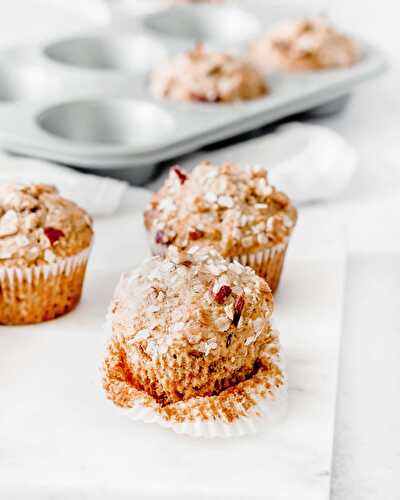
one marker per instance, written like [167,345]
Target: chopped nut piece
[196,234]
[53,234]
[220,293]
[180,174]
[238,309]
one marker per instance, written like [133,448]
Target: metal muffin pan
[85,100]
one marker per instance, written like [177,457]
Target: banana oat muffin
[44,247]
[232,209]
[206,76]
[192,338]
[304,44]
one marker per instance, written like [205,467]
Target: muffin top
[301,44]
[193,303]
[207,76]
[230,208]
[37,225]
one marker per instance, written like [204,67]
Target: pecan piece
[221,294]
[180,174]
[53,234]
[237,310]
[196,234]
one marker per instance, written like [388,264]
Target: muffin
[192,339]
[206,76]
[232,209]
[304,44]
[44,247]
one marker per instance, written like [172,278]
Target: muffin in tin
[304,44]
[44,248]
[208,76]
[192,338]
[232,209]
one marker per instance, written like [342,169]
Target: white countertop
[366,458]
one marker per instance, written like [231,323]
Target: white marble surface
[366,460]
[60,439]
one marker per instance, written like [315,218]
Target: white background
[366,463]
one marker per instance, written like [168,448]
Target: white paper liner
[268,410]
[29,294]
[251,259]
[29,274]
[256,259]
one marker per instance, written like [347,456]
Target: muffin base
[40,293]
[267,263]
[239,410]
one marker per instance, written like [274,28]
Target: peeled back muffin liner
[244,409]
[267,263]
[39,293]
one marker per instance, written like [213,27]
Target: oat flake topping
[37,225]
[190,325]
[230,208]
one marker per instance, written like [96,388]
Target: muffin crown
[311,40]
[192,303]
[37,225]
[234,209]
[209,76]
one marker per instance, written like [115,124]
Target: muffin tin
[85,100]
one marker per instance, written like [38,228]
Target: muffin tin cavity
[108,52]
[85,99]
[23,83]
[220,25]
[107,122]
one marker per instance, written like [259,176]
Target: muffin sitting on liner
[207,76]
[232,209]
[44,248]
[192,341]
[304,44]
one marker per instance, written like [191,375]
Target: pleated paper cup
[247,408]
[40,293]
[267,263]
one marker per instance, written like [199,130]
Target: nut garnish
[53,234]
[196,234]
[219,292]
[238,309]
[180,174]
